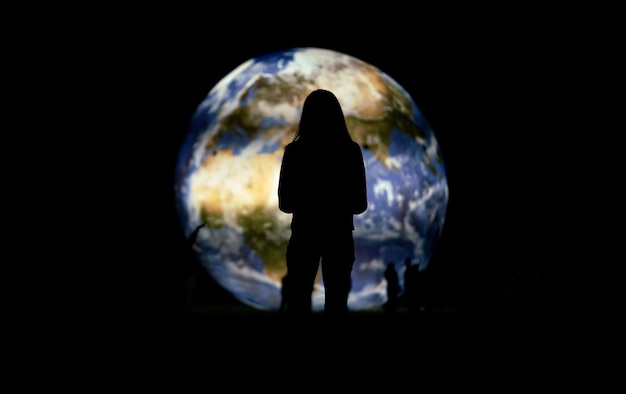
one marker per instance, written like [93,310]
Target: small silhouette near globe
[229,163]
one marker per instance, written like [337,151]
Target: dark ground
[226,342]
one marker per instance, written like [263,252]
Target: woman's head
[322,118]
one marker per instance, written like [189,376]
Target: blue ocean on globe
[228,167]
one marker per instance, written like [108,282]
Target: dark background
[121,88]
[100,97]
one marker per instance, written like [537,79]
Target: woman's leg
[337,262]
[302,265]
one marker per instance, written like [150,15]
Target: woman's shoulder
[355,146]
[291,145]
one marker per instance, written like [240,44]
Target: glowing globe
[228,167]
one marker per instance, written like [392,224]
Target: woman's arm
[359,201]
[286,183]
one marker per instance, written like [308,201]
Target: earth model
[228,168]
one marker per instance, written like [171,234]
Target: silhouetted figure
[530,291]
[193,265]
[191,240]
[421,301]
[322,184]
[393,288]
[410,291]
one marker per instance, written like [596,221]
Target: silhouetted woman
[322,184]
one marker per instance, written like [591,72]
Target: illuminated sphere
[228,168]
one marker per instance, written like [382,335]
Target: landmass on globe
[228,168]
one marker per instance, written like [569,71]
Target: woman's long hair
[322,174]
[322,120]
